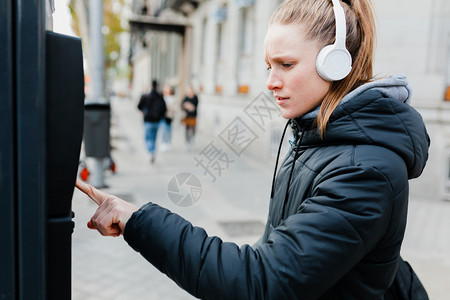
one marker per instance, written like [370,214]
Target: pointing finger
[98,196]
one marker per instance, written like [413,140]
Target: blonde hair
[318,20]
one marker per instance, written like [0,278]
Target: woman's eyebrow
[280,57]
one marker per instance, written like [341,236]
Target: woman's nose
[273,82]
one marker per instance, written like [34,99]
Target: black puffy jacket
[337,231]
[153,106]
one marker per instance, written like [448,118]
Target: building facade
[220,52]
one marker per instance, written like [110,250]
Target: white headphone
[334,62]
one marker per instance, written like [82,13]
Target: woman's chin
[288,114]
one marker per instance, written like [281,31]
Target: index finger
[98,196]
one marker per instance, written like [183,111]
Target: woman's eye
[287,65]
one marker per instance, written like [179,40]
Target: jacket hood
[376,113]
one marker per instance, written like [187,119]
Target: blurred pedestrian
[189,107]
[166,122]
[153,108]
[339,201]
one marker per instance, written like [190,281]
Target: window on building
[175,54]
[219,17]
[448,168]
[219,65]
[219,50]
[246,41]
[203,42]
[447,176]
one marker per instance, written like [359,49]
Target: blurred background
[216,46]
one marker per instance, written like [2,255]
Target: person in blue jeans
[153,108]
[166,122]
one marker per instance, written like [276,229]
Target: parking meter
[64,131]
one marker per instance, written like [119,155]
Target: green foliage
[75,20]
[112,21]
[114,26]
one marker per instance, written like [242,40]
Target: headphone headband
[341,26]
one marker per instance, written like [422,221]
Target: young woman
[166,122]
[339,202]
[189,107]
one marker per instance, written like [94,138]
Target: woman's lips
[281,100]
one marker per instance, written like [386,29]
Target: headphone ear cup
[333,63]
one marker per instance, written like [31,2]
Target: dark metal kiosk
[41,127]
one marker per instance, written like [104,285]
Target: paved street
[234,207]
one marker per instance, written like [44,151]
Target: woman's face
[293,78]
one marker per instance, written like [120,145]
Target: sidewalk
[233,207]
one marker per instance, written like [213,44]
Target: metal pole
[29,159]
[447,94]
[97,62]
[8,167]
[96,23]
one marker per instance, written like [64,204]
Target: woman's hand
[113,213]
